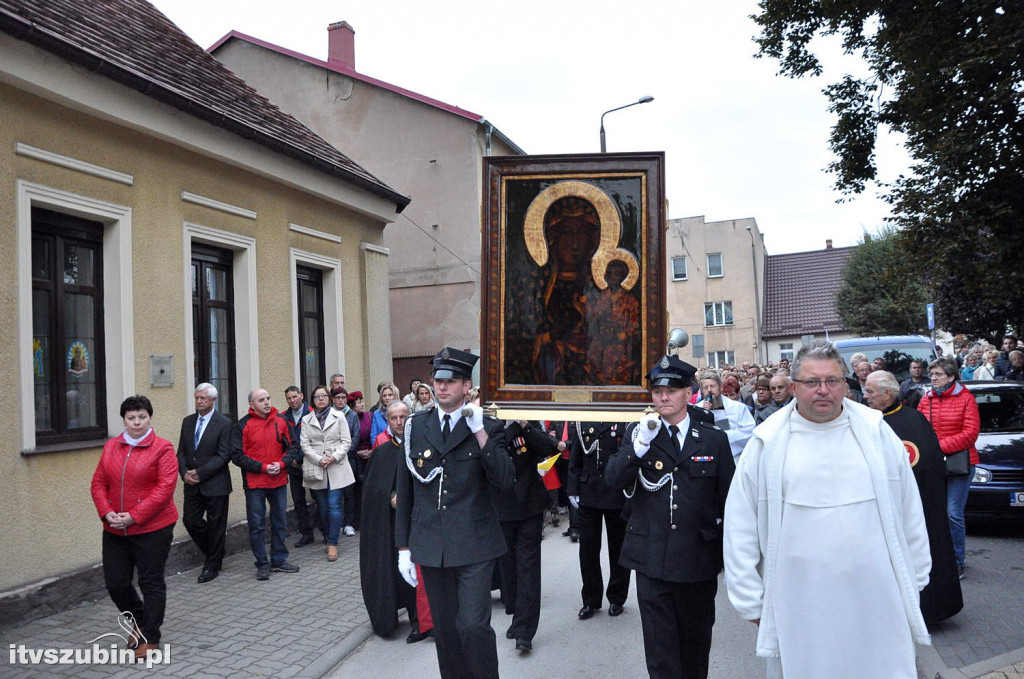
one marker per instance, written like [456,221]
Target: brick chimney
[828,243]
[341,45]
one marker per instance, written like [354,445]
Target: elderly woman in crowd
[953,414]
[424,398]
[987,371]
[133,490]
[325,440]
[379,425]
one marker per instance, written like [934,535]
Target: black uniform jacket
[586,469]
[675,532]
[527,446]
[210,459]
[451,521]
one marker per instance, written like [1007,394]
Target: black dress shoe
[615,609]
[305,540]
[509,634]
[418,636]
[206,576]
[524,645]
[588,612]
[574,536]
[567,532]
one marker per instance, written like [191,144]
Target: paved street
[304,625]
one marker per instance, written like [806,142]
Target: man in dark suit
[297,409]
[445,519]
[677,471]
[204,448]
[521,513]
[593,443]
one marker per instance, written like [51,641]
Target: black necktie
[446,429]
[674,431]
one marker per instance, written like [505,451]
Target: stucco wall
[694,238]
[430,154]
[49,523]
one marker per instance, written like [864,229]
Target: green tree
[881,293]
[949,75]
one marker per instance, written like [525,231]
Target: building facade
[715,288]
[432,150]
[166,225]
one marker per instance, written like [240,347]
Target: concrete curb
[931,666]
[328,662]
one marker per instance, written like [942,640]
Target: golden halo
[610,225]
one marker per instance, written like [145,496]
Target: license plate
[1017,499]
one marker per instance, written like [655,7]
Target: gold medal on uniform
[419,463]
[522,450]
[426,454]
[659,464]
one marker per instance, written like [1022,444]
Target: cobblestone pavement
[294,625]
[989,632]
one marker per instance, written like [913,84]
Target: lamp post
[642,100]
[757,298]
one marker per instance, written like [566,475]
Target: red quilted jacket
[954,417]
[139,480]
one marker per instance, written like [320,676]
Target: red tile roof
[352,73]
[131,42]
[800,292]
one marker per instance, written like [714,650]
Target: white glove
[574,500]
[475,418]
[406,567]
[646,433]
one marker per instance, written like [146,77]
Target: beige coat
[333,439]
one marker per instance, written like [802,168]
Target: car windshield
[1001,411]
[897,357]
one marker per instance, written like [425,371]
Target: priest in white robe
[826,548]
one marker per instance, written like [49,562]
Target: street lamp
[757,298]
[642,100]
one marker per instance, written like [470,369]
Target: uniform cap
[453,364]
[671,372]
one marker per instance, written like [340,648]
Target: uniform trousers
[677,618]
[520,574]
[206,520]
[590,556]
[460,603]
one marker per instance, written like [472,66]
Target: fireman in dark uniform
[593,444]
[521,513]
[445,519]
[678,473]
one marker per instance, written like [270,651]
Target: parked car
[896,350]
[997,489]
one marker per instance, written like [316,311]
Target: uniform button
[673,506]
[673,526]
[675,469]
[675,487]
[445,492]
[446,507]
[444,478]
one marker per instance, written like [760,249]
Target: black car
[997,489]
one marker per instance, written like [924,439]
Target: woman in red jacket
[953,413]
[133,489]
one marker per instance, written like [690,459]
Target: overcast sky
[740,141]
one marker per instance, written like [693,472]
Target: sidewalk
[295,625]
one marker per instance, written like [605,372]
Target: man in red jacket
[262,447]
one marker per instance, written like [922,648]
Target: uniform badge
[703,458]
[694,433]
[522,450]
[419,463]
[444,354]
[664,362]
[659,465]
[914,452]
[426,454]
[590,431]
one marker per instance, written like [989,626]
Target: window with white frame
[697,343]
[715,269]
[679,268]
[717,359]
[786,351]
[717,313]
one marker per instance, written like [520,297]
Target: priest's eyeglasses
[830,382]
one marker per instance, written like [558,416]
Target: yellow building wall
[47,519]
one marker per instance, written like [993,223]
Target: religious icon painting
[574,292]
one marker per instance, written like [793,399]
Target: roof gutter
[22,29]
[491,130]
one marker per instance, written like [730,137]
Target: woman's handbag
[959,463]
[312,472]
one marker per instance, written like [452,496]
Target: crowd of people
[689,490]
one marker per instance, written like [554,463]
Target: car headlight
[981,475]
